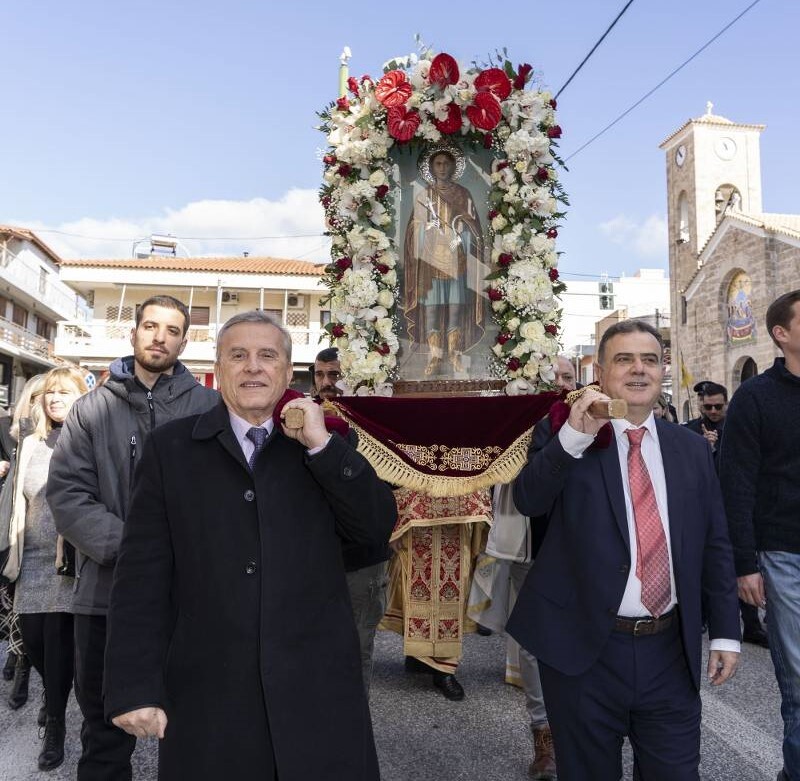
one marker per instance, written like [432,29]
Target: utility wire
[602,38]
[185,238]
[663,81]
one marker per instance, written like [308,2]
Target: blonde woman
[43,596]
[22,425]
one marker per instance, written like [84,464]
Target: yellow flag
[687,381]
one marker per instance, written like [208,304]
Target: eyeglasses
[709,407]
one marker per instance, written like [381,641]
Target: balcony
[20,341]
[101,342]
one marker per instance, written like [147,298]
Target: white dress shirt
[575,443]
[240,428]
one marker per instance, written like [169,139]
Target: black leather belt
[646,626]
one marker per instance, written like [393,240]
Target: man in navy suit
[611,608]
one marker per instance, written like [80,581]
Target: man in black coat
[232,555]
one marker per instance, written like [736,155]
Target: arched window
[749,369]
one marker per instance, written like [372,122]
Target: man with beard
[713,403]
[89,489]
[365,566]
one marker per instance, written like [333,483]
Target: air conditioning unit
[230,297]
[295,301]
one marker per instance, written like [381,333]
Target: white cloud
[238,223]
[646,240]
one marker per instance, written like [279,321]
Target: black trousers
[640,687]
[107,749]
[47,639]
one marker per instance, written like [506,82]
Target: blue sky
[198,117]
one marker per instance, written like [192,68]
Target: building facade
[214,289]
[728,258]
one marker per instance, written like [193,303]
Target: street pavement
[423,737]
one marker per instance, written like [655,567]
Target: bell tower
[713,167]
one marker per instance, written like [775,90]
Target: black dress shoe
[448,685]
[8,667]
[19,691]
[53,744]
[756,637]
[414,665]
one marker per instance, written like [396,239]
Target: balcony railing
[20,337]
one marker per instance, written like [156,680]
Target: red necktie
[652,557]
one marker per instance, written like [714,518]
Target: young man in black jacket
[759,465]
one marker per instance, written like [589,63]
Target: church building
[728,259]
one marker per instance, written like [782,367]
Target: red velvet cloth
[490,424]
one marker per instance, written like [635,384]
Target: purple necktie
[258,436]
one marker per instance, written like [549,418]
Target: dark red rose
[352,85]
[488,139]
[366,78]
[513,364]
[494,294]
[343,104]
[382,268]
[493,213]
[393,89]
[402,124]
[542,174]
[505,259]
[495,81]
[444,71]
[344,170]
[344,263]
[522,76]
[329,159]
[383,349]
[452,123]
[502,164]
[325,201]
[553,274]
[553,104]
[381,190]
[338,330]
[552,329]
[554,132]
[552,233]
[485,111]
[503,337]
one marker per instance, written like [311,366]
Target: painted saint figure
[443,255]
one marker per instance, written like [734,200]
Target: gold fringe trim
[391,467]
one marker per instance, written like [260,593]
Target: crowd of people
[210,566]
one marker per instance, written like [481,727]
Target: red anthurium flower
[494,80]
[343,104]
[494,294]
[553,274]
[402,123]
[505,259]
[366,78]
[503,337]
[338,330]
[329,159]
[344,263]
[383,349]
[554,132]
[522,76]
[352,85]
[381,190]
[452,124]
[444,70]
[393,89]
[552,233]
[485,111]
[552,329]
[513,364]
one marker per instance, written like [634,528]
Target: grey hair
[258,316]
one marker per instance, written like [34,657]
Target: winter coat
[91,472]
[230,607]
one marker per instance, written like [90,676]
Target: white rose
[386,298]
[499,222]
[377,178]
[512,324]
[390,277]
[384,326]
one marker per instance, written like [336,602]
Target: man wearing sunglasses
[713,406]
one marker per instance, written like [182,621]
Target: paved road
[423,737]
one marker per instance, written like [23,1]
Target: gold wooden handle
[608,408]
[293,418]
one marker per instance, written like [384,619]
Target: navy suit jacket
[565,612]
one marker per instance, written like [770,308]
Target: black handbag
[67,567]
[6,506]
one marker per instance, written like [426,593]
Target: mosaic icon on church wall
[741,325]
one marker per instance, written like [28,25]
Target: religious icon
[741,323]
[444,264]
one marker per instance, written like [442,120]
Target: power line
[184,238]
[663,81]
[602,38]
